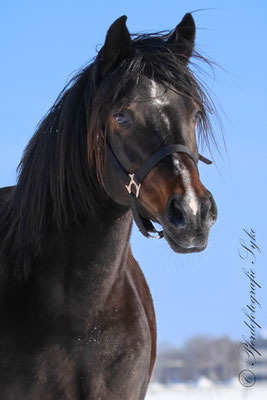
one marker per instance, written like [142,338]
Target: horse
[119,143]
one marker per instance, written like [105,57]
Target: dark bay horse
[77,318]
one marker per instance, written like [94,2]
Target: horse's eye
[120,118]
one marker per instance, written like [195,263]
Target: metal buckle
[132,182]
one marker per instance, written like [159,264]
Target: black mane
[56,187]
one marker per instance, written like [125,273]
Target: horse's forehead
[158,102]
[149,100]
[154,92]
[151,93]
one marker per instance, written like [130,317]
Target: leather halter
[133,181]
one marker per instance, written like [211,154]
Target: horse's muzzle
[186,226]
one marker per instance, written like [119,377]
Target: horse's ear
[184,36]
[117,47]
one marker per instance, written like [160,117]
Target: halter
[133,181]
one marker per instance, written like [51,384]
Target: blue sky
[43,43]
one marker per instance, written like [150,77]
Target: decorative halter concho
[133,181]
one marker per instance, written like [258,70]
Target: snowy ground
[207,391]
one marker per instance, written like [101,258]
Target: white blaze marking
[159,99]
[190,195]
[157,95]
[153,91]
[165,119]
[176,164]
[189,190]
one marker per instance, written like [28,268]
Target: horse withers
[77,318]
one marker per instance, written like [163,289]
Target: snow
[206,390]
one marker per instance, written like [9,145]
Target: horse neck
[85,264]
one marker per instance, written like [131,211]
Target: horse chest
[95,367]
[114,369]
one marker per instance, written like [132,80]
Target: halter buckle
[132,182]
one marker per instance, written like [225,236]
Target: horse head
[149,129]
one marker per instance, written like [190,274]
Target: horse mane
[59,181]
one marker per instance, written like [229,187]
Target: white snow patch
[183,391]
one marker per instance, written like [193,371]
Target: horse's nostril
[213,208]
[208,208]
[205,207]
[176,216]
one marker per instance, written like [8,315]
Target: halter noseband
[134,180]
